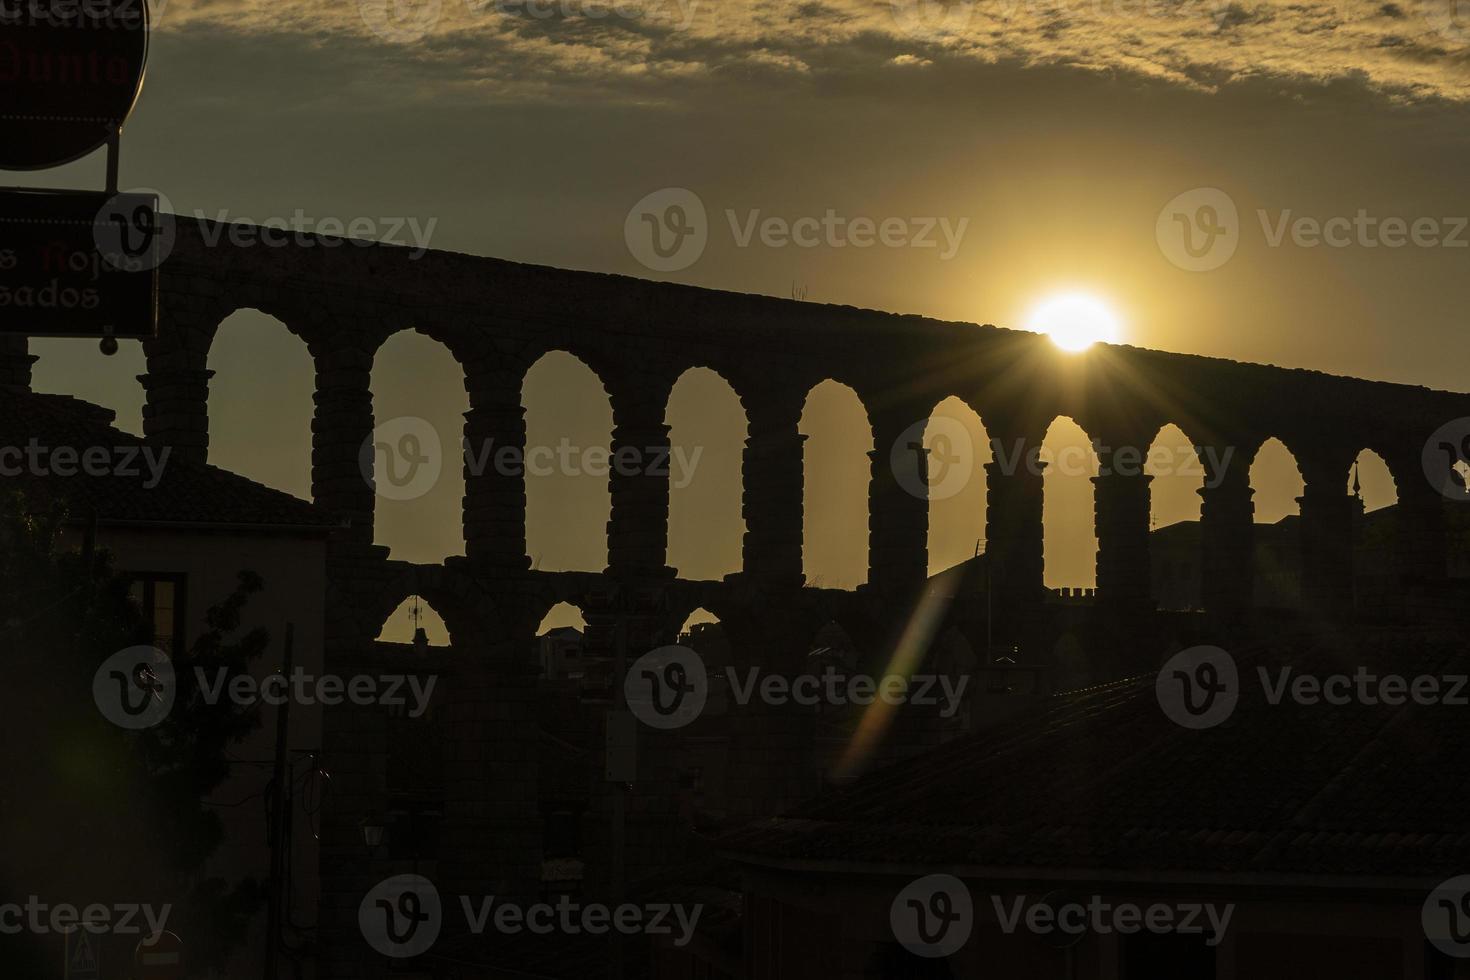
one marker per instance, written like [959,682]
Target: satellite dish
[71,74]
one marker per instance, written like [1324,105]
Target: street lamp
[373,830]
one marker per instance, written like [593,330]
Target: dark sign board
[79,264]
[71,71]
[82,960]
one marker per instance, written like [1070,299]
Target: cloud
[641,49]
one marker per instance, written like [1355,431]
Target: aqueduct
[498,318]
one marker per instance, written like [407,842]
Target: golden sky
[1058,134]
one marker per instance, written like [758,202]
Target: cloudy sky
[1067,145]
[633,49]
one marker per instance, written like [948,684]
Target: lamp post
[280,818]
[374,831]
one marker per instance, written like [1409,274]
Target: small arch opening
[959,450]
[265,439]
[418,466]
[1175,535]
[703,633]
[561,643]
[569,422]
[707,430]
[1069,543]
[836,470]
[1376,563]
[1278,483]
[413,614]
[1371,482]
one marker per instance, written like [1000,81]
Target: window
[161,597]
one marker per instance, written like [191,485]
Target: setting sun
[1074,321]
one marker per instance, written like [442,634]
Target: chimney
[15,362]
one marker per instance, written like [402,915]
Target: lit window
[161,600]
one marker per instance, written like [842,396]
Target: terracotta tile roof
[711,884]
[182,492]
[1101,779]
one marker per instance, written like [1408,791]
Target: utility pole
[620,789]
[281,781]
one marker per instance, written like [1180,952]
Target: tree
[93,814]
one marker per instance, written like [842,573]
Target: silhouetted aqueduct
[498,318]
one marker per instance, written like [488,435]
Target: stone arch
[1376,523]
[836,469]
[1069,541]
[467,613]
[569,426]
[1278,482]
[412,613]
[555,603]
[562,614]
[176,382]
[1372,475]
[698,616]
[186,336]
[561,642]
[1172,458]
[959,449]
[1176,539]
[417,459]
[429,324]
[704,632]
[708,429]
[1277,478]
[269,439]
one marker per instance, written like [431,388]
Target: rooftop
[47,439]
[1100,780]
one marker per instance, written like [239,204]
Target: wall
[294,573]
